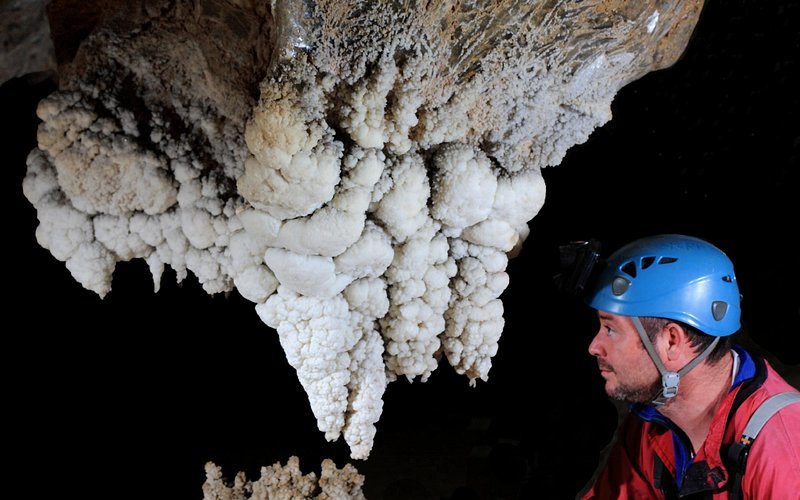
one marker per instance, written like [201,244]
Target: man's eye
[609,331]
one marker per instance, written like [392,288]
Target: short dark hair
[697,339]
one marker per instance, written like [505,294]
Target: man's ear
[675,341]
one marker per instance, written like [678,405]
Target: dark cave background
[131,395]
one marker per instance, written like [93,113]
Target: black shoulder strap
[737,453]
[749,386]
[663,480]
[746,390]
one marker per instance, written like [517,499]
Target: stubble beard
[636,393]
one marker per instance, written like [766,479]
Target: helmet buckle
[669,384]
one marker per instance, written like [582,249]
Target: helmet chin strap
[669,380]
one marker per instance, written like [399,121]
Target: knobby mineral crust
[360,170]
[286,481]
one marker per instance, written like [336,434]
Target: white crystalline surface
[366,205]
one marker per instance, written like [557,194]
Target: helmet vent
[629,268]
[647,262]
[727,279]
[667,260]
[718,309]
[619,285]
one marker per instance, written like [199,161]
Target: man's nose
[596,345]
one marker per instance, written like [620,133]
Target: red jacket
[643,461]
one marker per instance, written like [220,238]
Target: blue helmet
[671,276]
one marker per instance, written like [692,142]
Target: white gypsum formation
[368,198]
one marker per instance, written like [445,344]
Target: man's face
[629,372]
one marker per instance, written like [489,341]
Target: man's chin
[637,396]
[616,396]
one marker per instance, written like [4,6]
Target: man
[667,305]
